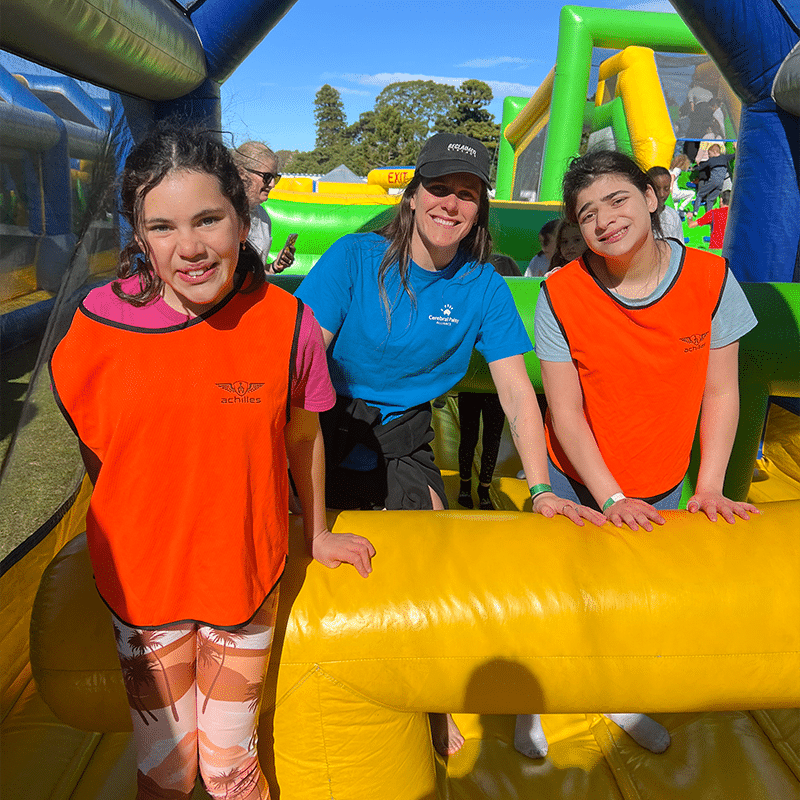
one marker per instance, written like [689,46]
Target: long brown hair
[174,147]
[476,245]
[558,259]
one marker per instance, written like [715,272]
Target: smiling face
[192,236]
[445,209]
[255,188]
[614,217]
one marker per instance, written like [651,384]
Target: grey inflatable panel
[786,86]
[146,48]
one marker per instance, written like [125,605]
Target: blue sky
[360,46]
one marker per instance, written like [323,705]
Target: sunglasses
[267,177]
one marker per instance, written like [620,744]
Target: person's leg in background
[493,420]
[469,413]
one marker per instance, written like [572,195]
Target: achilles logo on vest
[240,390]
[696,340]
[445,317]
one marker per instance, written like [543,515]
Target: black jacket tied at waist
[406,468]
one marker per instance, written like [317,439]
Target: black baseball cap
[445,153]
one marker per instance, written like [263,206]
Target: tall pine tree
[330,119]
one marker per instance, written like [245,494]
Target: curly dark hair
[584,170]
[174,146]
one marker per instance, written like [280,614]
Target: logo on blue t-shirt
[446,317]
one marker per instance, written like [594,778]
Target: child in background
[637,341]
[569,244]
[717,218]
[681,198]
[540,263]
[711,135]
[671,225]
[711,177]
[188,382]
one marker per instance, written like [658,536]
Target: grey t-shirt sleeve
[550,344]
[733,317]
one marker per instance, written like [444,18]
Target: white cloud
[481,63]
[663,6]
[383,79]
[502,89]
[348,90]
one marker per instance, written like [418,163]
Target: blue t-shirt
[426,349]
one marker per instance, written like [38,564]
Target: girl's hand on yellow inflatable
[713,503]
[633,513]
[548,505]
[333,549]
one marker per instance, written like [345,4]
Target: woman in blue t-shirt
[401,311]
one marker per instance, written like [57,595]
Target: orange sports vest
[642,370]
[188,519]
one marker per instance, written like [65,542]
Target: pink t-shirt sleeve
[156,314]
[311,388]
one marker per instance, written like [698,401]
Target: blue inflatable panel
[749,40]
[231,29]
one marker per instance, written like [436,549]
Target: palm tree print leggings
[194,693]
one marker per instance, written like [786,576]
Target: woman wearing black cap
[401,311]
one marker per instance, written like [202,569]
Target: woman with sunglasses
[258,168]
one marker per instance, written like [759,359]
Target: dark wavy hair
[173,146]
[476,245]
[585,170]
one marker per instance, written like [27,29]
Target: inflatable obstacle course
[483,633]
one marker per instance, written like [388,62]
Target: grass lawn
[45,466]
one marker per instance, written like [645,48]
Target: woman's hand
[284,260]
[713,503]
[548,505]
[333,549]
[633,513]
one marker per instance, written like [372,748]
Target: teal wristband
[540,488]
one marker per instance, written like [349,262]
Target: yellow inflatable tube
[638,84]
[488,613]
[391,177]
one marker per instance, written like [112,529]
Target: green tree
[386,137]
[330,118]
[421,103]
[469,115]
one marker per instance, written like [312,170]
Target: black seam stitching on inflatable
[22,549]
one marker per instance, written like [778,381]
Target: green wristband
[615,498]
[540,488]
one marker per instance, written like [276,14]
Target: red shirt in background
[717,218]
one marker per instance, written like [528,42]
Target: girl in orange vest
[635,337]
[189,381]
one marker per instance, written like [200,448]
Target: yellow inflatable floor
[713,756]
